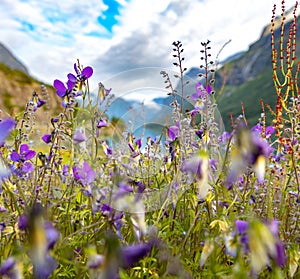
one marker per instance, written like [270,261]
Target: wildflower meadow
[90,199]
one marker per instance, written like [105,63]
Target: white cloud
[66,30]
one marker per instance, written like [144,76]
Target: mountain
[249,78]
[7,58]
[17,86]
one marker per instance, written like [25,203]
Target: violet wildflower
[101,123]
[36,102]
[64,92]
[47,138]
[81,76]
[251,150]
[102,92]
[42,238]
[21,159]
[173,132]
[85,175]
[269,131]
[11,268]
[106,149]
[23,222]
[79,137]
[6,126]
[200,97]
[131,254]
[262,245]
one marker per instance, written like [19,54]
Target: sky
[115,36]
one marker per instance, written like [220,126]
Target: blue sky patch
[26,26]
[108,18]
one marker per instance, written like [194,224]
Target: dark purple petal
[101,123]
[87,72]
[44,267]
[27,167]
[193,166]
[79,137]
[76,69]
[23,222]
[65,170]
[257,128]
[280,254]
[52,234]
[195,96]
[29,155]
[173,132]
[71,78]
[70,85]
[15,157]
[23,149]
[7,266]
[2,226]
[241,226]
[40,102]
[208,89]
[77,172]
[60,87]
[47,138]
[6,125]
[89,173]
[139,143]
[130,255]
[269,131]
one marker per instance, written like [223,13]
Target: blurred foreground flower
[43,236]
[107,266]
[197,166]
[6,126]
[11,268]
[250,150]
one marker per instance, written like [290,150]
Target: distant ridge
[7,58]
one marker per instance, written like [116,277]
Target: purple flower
[269,131]
[52,234]
[61,89]
[130,255]
[251,150]
[8,268]
[241,226]
[23,222]
[102,92]
[25,155]
[86,73]
[197,166]
[6,125]
[201,91]
[44,267]
[42,238]
[36,102]
[81,76]
[84,175]
[173,132]
[101,123]
[79,137]
[47,138]
[224,137]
